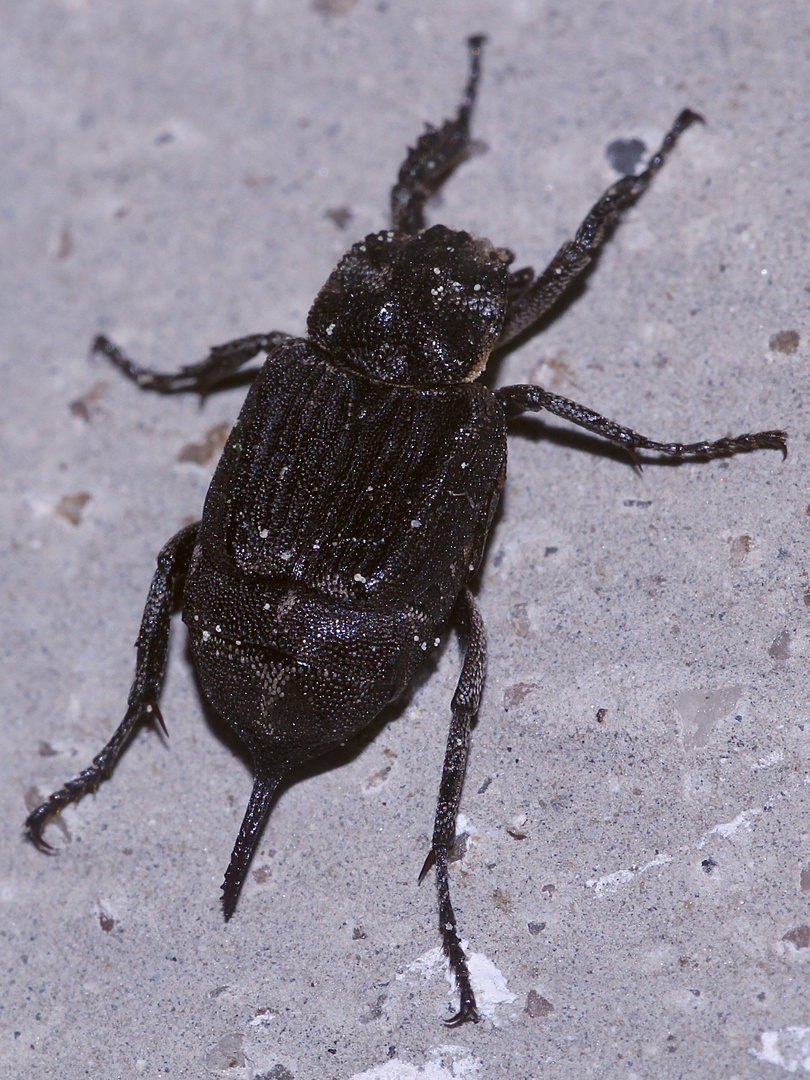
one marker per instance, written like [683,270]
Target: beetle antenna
[264,788]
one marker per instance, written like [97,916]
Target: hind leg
[464,708]
[153,648]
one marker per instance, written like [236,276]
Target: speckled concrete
[636,887]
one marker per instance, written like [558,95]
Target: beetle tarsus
[85,783]
[468,1010]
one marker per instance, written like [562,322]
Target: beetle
[349,512]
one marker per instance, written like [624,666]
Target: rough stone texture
[177,175]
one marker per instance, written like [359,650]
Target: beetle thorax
[420,310]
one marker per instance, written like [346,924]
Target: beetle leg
[222,362]
[264,788]
[465,705]
[436,154]
[518,399]
[153,647]
[575,255]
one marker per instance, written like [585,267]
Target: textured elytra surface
[623,579]
[425,466]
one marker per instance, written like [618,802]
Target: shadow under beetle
[351,506]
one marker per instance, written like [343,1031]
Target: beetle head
[420,310]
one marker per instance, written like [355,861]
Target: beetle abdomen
[293,671]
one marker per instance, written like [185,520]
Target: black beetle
[353,500]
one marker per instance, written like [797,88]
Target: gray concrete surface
[166,176]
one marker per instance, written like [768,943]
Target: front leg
[153,648]
[464,707]
[532,301]
[519,399]
[435,156]
[201,378]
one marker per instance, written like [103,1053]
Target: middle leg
[526,398]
